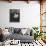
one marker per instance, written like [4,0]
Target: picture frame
[14,15]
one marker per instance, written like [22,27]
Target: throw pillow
[17,30]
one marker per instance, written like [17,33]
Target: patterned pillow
[17,30]
[11,30]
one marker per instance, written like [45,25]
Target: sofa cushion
[22,38]
[17,30]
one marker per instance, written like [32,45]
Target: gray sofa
[17,35]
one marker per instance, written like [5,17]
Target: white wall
[29,14]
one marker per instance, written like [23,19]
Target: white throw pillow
[23,31]
[5,32]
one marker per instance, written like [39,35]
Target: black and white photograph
[14,15]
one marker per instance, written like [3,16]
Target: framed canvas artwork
[14,15]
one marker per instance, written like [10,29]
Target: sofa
[22,34]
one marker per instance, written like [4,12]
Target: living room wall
[29,14]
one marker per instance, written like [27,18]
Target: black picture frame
[14,15]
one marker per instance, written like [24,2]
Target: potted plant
[37,33]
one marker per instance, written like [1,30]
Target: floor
[35,43]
